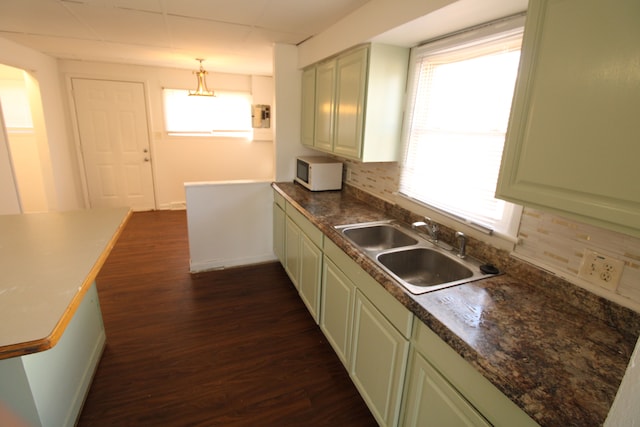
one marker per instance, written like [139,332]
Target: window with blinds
[461,90]
[226,114]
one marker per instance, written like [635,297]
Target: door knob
[146,150]
[146,159]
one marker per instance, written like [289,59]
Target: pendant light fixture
[202,82]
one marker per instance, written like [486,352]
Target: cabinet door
[308,106]
[431,401]
[310,275]
[292,251]
[324,107]
[336,319]
[351,76]
[278,232]
[378,361]
[572,144]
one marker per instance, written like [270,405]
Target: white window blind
[460,99]
[226,114]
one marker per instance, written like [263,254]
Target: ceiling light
[202,82]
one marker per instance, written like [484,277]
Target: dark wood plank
[233,347]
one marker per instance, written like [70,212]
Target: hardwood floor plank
[233,347]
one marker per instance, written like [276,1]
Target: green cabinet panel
[378,361]
[303,257]
[308,107]
[396,313]
[572,143]
[305,225]
[490,402]
[310,275]
[293,237]
[324,105]
[279,200]
[351,77]
[336,319]
[278,232]
[431,401]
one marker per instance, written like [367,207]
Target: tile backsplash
[379,179]
[549,241]
[559,244]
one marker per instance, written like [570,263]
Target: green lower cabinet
[336,318]
[378,361]
[372,334]
[292,251]
[303,257]
[310,275]
[443,389]
[431,401]
[278,232]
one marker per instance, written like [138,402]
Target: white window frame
[204,106]
[507,232]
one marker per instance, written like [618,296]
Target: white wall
[55,145]
[372,19]
[26,161]
[229,223]
[9,201]
[177,160]
[288,93]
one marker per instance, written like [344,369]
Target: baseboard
[219,264]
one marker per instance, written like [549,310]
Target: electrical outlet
[601,270]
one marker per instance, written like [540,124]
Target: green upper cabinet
[324,105]
[351,78]
[308,106]
[573,142]
[359,100]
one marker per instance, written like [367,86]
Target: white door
[114,137]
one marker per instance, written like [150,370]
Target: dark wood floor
[235,347]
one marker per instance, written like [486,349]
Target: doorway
[25,146]
[114,141]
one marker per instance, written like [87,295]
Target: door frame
[76,130]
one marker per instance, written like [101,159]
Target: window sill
[495,239]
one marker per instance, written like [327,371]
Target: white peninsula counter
[51,330]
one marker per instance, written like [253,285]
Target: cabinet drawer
[391,308]
[314,234]
[483,395]
[279,199]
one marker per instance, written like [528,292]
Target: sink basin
[379,237]
[413,261]
[423,267]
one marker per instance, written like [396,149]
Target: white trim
[497,240]
[502,32]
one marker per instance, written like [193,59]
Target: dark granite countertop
[560,355]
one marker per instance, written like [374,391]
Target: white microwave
[318,173]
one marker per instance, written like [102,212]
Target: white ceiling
[232,35]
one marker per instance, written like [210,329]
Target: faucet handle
[462,238]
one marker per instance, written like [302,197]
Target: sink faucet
[432,228]
[462,239]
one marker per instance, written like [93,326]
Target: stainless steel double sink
[416,263]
